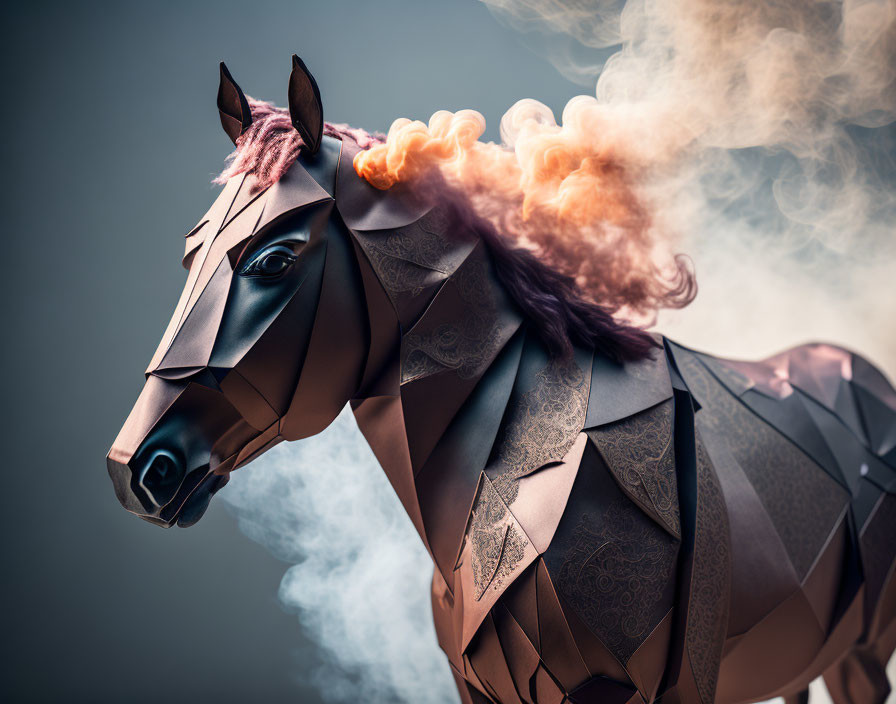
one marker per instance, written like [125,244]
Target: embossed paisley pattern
[711,580]
[541,426]
[413,257]
[800,498]
[465,346]
[497,546]
[400,276]
[615,573]
[640,453]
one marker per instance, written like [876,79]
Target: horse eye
[269,262]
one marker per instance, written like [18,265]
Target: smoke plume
[772,131]
[574,193]
[759,118]
[360,584]
[757,136]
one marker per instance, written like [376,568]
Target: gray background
[111,138]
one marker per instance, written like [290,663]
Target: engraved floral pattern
[615,573]
[465,346]
[542,426]
[412,257]
[640,453]
[497,545]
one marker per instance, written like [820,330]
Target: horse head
[270,337]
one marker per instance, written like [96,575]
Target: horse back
[803,447]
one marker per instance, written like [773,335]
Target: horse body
[605,531]
[680,528]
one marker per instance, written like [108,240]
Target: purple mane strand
[271,144]
[553,301]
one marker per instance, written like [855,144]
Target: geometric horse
[612,517]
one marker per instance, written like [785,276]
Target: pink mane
[271,144]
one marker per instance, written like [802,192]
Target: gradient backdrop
[111,138]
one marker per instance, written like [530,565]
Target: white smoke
[361,582]
[773,128]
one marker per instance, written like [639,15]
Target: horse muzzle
[175,450]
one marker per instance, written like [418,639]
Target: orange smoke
[571,192]
[711,121]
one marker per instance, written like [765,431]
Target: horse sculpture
[612,517]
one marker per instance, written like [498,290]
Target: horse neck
[440,323]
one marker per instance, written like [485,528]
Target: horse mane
[553,301]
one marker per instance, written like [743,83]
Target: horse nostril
[161,477]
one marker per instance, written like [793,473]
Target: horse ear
[305,109]
[233,107]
